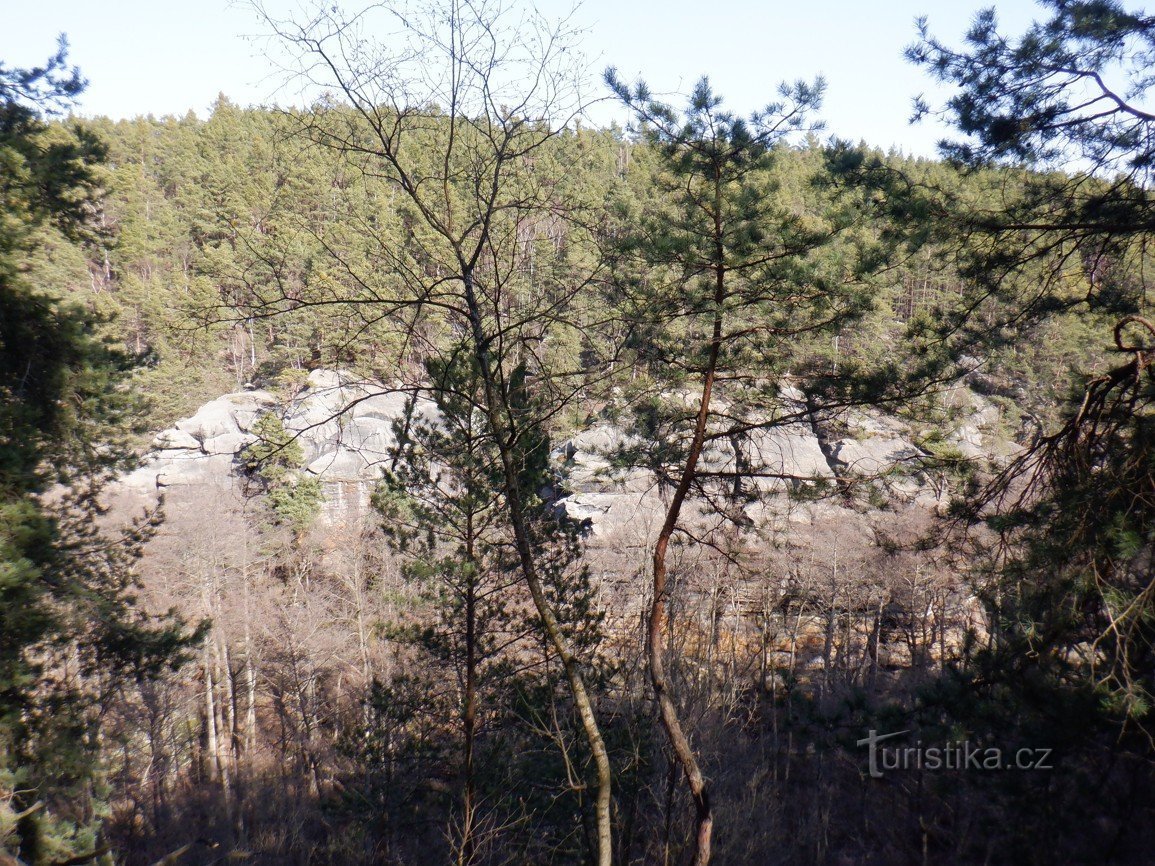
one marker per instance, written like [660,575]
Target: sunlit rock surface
[347,427]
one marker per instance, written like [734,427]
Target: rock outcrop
[346,427]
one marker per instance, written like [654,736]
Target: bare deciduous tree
[449,106]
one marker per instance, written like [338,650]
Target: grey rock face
[176,440]
[346,428]
[200,449]
[874,455]
[792,451]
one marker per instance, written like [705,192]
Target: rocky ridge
[345,427]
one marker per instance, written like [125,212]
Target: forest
[429,474]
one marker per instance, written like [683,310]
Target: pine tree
[1074,219]
[443,506]
[275,461]
[69,627]
[730,274]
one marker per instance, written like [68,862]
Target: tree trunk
[469,712]
[668,713]
[524,546]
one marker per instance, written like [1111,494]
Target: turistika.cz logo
[962,755]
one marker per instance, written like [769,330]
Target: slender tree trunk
[229,707]
[308,707]
[668,829]
[212,750]
[873,642]
[250,733]
[220,727]
[469,712]
[524,546]
[828,643]
[668,713]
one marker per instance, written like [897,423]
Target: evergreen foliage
[276,460]
[70,632]
[442,506]
[529,275]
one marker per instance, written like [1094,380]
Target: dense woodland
[463,676]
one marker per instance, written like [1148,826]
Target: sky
[171,56]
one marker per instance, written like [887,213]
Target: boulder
[326,380]
[220,417]
[587,463]
[228,443]
[873,456]
[614,514]
[173,440]
[209,470]
[343,464]
[793,449]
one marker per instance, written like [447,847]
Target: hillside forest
[428,474]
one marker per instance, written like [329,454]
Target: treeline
[237,211]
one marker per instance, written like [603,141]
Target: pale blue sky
[170,56]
